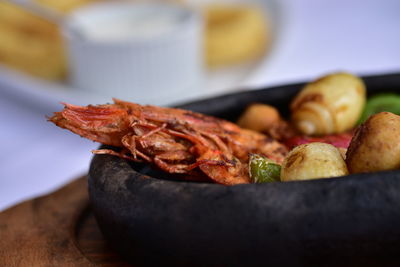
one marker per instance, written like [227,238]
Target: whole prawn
[175,140]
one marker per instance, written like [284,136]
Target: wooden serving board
[58,229]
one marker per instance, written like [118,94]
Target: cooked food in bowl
[202,148]
[174,140]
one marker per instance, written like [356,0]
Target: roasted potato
[375,145]
[312,161]
[259,117]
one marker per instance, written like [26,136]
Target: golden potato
[329,105]
[375,145]
[259,117]
[312,161]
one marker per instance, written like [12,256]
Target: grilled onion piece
[331,104]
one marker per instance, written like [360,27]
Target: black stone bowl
[348,221]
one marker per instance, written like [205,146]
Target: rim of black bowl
[222,108]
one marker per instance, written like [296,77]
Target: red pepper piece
[338,140]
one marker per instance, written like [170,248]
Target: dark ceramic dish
[330,222]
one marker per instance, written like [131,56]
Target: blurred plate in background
[48,94]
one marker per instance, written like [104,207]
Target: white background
[361,36]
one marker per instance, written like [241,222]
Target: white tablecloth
[361,36]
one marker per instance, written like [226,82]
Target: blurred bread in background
[31,44]
[34,45]
[234,34]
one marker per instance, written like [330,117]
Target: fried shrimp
[175,140]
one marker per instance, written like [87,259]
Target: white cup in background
[141,52]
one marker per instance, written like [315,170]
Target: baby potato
[312,161]
[375,145]
[259,117]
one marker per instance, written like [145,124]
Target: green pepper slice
[382,102]
[263,170]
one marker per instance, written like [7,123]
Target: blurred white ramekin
[161,58]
